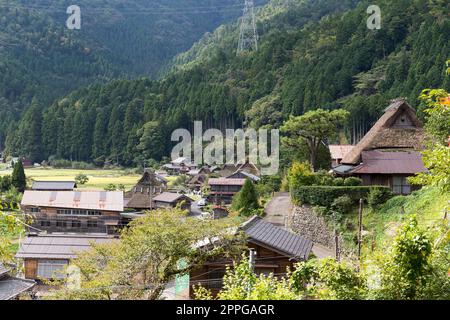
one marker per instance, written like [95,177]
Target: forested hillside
[41,59]
[300,65]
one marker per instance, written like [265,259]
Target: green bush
[378,196]
[325,195]
[338,182]
[342,204]
[352,182]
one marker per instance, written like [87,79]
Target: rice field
[98,179]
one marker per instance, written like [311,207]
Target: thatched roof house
[150,185]
[388,153]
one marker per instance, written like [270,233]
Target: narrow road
[278,209]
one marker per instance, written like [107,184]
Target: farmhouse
[224,189]
[45,256]
[241,174]
[389,153]
[172,200]
[275,249]
[338,152]
[180,166]
[11,287]
[149,186]
[74,211]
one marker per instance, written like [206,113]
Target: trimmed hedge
[325,195]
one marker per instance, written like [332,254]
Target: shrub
[352,182]
[339,182]
[378,196]
[342,204]
[300,174]
[81,179]
[325,195]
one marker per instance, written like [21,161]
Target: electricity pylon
[248,38]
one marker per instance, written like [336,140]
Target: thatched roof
[398,128]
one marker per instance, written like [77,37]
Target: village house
[45,256]
[241,174]
[11,287]
[54,185]
[142,194]
[180,166]
[390,152]
[172,200]
[275,250]
[222,190]
[74,211]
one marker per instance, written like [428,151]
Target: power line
[248,37]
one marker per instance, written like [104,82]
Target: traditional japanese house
[222,190]
[180,165]
[389,153]
[275,250]
[241,174]
[141,196]
[172,200]
[12,287]
[74,211]
[45,256]
[196,182]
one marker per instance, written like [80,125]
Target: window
[35,210]
[45,223]
[92,224]
[61,224]
[78,212]
[51,269]
[401,185]
[215,280]
[76,224]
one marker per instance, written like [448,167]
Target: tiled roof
[245,174]
[11,287]
[53,185]
[58,246]
[384,162]
[3,270]
[93,200]
[277,238]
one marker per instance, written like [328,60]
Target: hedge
[325,195]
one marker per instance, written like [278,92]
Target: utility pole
[360,216]
[248,37]
[252,259]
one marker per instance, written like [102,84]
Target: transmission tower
[248,38]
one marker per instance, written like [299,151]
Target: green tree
[81,179]
[148,256]
[18,178]
[313,128]
[246,202]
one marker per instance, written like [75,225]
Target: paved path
[278,209]
[321,251]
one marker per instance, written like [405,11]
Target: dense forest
[41,59]
[302,64]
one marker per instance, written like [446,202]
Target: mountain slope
[333,63]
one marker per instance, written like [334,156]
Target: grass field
[98,179]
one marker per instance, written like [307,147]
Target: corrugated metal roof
[94,200]
[226,182]
[11,287]
[53,185]
[275,237]
[58,246]
[386,162]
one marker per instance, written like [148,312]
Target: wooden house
[74,211]
[172,200]
[275,250]
[222,190]
[338,152]
[45,256]
[241,174]
[389,153]
[142,194]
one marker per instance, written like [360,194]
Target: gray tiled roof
[275,237]
[3,270]
[11,287]
[53,185]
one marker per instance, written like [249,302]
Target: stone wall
[307,223]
